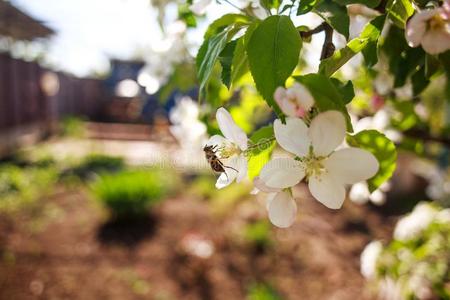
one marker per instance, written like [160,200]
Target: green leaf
[273,53]
[223,22]
[239,64]
[382,148]
[370,33]
[368,3]
[225,59]
[419,81]
[334,14]
[306,6]
[399,12]
[326,95]
[269,4]
[207,57]
[346,90]
[261,153]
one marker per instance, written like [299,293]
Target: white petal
[292,136]
[199,7]
[230,130]
[327,131]
[261,186]
[230,166]
[351,165]
[216,140]
[282,210]
[242,167]
[327,190]
[436,41]
[282,173]
[359,193]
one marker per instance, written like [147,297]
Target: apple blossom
[414,223]
[369,258]
[295,101]
[230,149]
[430,29]
[327,170]
[280,205]
[359,193]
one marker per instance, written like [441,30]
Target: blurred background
[105,192]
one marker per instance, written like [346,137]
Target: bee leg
[230,168]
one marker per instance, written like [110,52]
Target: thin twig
[328,46]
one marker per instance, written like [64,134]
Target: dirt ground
[74,253]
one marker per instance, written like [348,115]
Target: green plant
[96,163]
[73,127]
[21,186]
[262,291]
[258,233]
[131,193]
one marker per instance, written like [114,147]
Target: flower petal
[327,131]
[261,186]
[436,41]
[282,210]
[199,7]
[417,26]
[216,140]
[292,136]
[242,167]
[327,190]
[282,173]
[231,167]
[302,95]
[351,165]
[230,130]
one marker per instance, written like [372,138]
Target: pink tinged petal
[282,210]
[230,130]
[327,132]
[282,173]
[327,190]
[302,95]
[286,106]
[436,41]
[242,167]
[416,28]
[292,136]
[351,165]
[261,186]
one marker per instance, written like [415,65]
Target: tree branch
[328,46]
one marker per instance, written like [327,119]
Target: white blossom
[327,171]
[186,128]
[295,101]
[414,223]
[199,7]
[230,149]
[430,29]
[359,193]
[369,258]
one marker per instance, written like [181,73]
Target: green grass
[94,164]
[21,186]
[132,193]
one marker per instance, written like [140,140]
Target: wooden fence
[26,105]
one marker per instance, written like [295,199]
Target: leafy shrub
[95,164]
[20,186]
[131,193]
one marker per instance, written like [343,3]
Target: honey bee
[214,161]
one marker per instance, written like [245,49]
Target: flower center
[227,150]
[313,165]
[436,22]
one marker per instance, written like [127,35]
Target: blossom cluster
[416,263]
[314,143]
